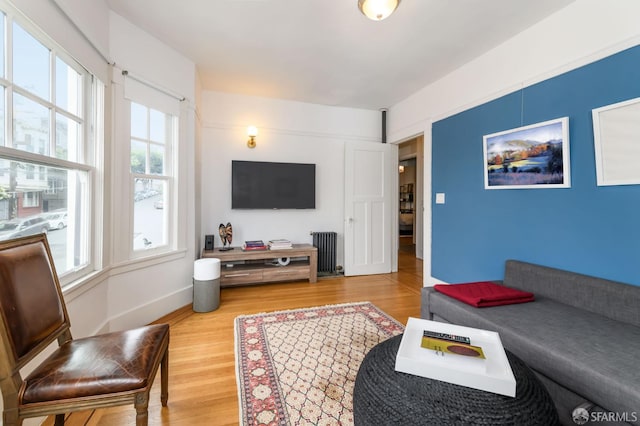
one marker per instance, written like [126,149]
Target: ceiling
[326,51]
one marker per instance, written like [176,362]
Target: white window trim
[31,199]
[123,202]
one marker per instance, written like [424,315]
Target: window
[45,134]
[31,199]
[152,137]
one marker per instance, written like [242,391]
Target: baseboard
[431,281]
[152,310]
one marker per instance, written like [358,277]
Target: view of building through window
[42,204]
[44,179]
[151,137]
[48,104]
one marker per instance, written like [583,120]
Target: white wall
[288,132]
[584,31]
[142,291]
[143,55]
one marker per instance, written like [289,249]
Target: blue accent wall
[586,228]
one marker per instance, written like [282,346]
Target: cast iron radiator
[326,243]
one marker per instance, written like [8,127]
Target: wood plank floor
[202,382]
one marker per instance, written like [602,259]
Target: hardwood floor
[202,381]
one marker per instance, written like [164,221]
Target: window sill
[145,262]
[80,286]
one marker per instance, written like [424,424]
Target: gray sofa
[581,336]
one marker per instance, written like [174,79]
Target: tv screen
[265,185]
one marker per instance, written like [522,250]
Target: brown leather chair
[99,371]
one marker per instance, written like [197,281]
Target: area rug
[299,367]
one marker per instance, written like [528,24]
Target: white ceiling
[326,51]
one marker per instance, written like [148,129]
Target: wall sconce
[252,132]
[401,169]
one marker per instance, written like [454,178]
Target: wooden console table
[240,267]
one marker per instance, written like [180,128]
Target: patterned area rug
[299,367]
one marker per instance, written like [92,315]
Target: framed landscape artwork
[534,156]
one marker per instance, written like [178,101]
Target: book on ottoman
[484,294]
[491,372]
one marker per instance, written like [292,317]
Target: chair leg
[59,420]
[11,418]
[164,378]
[142,409]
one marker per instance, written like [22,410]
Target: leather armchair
[111,369]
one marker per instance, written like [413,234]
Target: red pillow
[484,293]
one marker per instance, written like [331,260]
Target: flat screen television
[266,185]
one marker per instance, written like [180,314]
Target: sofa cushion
[612,299]
[593,355]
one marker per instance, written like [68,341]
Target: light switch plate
[440,198]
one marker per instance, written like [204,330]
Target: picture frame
[529,157]
[616,138]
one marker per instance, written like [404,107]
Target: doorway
[407,205]
[410,197]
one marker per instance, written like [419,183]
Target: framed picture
[616,136]
[534,156]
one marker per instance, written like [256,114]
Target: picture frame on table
[529,157]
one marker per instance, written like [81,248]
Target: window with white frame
[31,199]
[153,134]
[46,100]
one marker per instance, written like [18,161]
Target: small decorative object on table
[226,235]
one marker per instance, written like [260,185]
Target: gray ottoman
[383,396]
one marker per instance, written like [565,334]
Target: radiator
[326,242]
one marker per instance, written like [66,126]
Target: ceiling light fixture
[377,10]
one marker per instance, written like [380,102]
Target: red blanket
[485,293]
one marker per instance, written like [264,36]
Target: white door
[369,240]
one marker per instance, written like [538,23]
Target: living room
[123,292]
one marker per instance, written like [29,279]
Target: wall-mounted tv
[265,185]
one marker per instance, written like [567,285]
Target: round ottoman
[383,396]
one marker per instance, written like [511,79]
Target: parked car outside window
[15,228]
[56,220]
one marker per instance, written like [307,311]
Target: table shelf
[253,267]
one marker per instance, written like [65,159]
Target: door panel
[368,207]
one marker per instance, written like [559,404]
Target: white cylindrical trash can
[206,285]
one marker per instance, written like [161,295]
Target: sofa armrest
[424,303]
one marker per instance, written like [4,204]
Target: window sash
[157,145]
[66,121]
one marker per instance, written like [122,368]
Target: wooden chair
[99,371]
